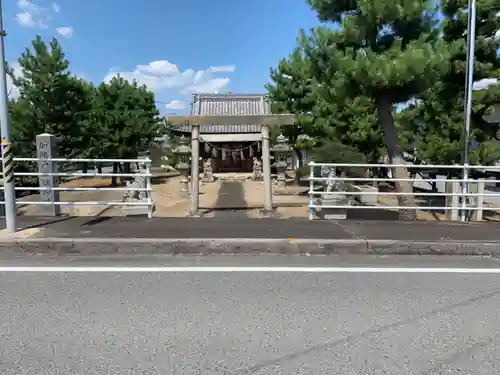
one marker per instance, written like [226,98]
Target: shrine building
[231,147]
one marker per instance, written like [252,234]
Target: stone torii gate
[264,120]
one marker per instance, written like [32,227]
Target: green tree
[23,141]
[388,51]
[353,122]
[126,120]
[332,124]
[434,123]
[54,101]
[292,91]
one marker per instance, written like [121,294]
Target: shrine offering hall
[231,148]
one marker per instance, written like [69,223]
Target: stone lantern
[166,145]
[281,151]
[183,151]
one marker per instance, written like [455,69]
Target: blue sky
[175,47]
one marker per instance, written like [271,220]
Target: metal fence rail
[461,195]
[147,189]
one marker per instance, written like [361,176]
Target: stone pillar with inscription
[46,149]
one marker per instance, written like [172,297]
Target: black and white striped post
[7,154]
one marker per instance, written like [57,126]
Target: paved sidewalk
[231,227]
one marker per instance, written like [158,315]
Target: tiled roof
[228,104]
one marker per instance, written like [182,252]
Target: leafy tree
[126,120]
[434,123]
[54,101]
[388,51]
[23,142]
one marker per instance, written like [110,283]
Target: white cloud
[12,90]
[176,104]
[31,15]
[159,68]
[226,68]
[25,19]
[162,74]
[213,85]
[56,8]
[497,34]
[66,31]
[484,83]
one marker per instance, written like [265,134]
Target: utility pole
[7,154]
[469,81]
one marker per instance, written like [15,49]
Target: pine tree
[387,50]
[54,99]
[435,122]
[292,91]
[339,127]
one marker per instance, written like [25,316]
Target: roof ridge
[232,95]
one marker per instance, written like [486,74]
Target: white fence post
[478,188]
[452,187]
[148,186]
[46,149]
[311,190]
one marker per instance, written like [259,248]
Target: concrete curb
[108,246]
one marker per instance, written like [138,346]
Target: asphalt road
[250,322]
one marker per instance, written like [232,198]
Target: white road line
[254,269]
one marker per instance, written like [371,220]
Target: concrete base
[369,199]
[269,214]
[136,210]
[334,213]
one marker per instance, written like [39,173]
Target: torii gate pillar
[264,120]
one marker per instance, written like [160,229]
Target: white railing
[462,197]
[148,188]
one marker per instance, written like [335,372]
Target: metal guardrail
[461,195]
[148,189]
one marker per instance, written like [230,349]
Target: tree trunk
[375,174]
[114,180]
[298,170]
[125,168]
[395,153]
